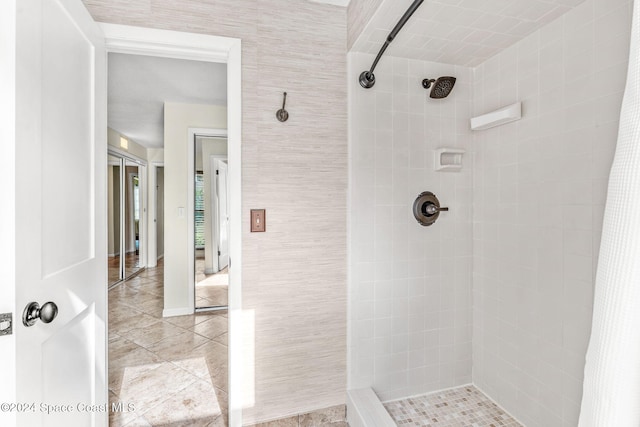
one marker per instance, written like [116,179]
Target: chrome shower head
[441,87]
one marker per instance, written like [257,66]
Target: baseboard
[171,312]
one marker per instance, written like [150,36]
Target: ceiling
[460,32]
[140,85]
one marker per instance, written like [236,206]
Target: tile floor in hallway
[459,407]
[211,289]
[131,265]
[172,370]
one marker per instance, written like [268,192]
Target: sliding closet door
[126,217]
[114,195]
[132,217]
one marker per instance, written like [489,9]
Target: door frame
[152,214]
[191,171]
[199,47]
[215,205]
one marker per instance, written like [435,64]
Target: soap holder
[448,159]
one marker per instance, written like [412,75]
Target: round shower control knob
[426,208]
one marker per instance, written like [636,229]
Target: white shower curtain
[611,391]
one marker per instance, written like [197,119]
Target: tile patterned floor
[460,407]
[211,289]
[335,416]
[131,266]
[173,370]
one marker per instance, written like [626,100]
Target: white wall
[410,286]
[539,193]
[133,148]
[178,118]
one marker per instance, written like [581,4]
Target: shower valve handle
[432,209]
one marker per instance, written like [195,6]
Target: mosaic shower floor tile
[459,407]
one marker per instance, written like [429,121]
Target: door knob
[33,312]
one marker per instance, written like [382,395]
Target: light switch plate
[258,220]
[6,324]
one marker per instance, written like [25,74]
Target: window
[199,211]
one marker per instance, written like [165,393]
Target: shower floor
[459,407]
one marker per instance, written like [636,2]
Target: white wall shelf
[499,117]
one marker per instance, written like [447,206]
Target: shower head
[441,87]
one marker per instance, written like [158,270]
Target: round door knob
[48,312]
[33,312]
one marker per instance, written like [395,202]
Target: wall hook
[282,114]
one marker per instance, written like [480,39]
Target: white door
[61,224]
[223,213]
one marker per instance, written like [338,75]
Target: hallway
[172,370]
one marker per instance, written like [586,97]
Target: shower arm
[367,76]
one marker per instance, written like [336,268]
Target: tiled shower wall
[410,302]
[539,194]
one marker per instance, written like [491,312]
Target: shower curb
[364,409]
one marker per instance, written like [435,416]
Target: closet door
[132,218]
[114,214]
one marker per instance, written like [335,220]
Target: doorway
[184,353]
[210,219]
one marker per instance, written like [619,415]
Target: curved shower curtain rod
[367,79]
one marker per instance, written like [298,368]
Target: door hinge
[218,253]
[217,172]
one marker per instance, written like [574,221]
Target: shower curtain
[611,390]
